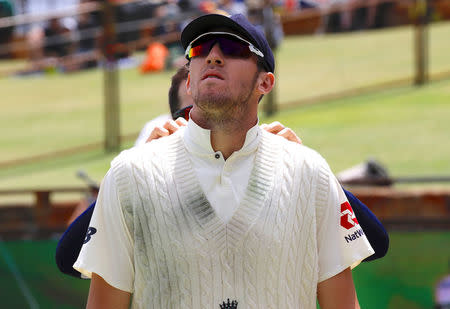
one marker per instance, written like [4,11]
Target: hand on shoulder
[279,129]
[171,126]
[168,128]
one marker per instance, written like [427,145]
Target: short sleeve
[341,240]
[108,249]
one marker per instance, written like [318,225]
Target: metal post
[421,42]
[111,80]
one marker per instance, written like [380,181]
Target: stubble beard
[221,109]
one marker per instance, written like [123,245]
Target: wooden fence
[39,219]
[396,209]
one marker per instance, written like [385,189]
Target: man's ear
[266,82]
[188,84]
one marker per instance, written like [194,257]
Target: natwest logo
[348,219]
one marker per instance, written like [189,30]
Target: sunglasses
[230,44]
[183,113]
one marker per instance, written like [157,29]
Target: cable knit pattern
[186,257]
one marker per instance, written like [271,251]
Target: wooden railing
[41,218]
[407,209]
[396,209]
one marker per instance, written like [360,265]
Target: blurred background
[364,82]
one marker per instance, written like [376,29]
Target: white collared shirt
[223,181]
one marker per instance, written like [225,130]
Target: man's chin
[214,99]
[215,106]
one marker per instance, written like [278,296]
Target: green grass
[37,269]
[311,66]
[404,128]
[51,113]
[405,278]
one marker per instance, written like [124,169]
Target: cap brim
[206,23]
[71,241]
[372,227]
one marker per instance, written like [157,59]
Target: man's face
[221,84]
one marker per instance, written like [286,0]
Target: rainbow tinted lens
[229,47]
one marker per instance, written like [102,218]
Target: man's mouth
[212,75]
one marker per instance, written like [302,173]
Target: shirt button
[217,156]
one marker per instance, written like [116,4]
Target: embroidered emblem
[229,305]
[90,231]
[348,219]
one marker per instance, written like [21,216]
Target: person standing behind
[178,99]
[57,41]
[222,210]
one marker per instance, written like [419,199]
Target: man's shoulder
[291,147]
[295,154]
[158,147]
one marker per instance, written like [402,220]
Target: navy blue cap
[238,24]
[375,232]
[70,243]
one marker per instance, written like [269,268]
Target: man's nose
[215,56]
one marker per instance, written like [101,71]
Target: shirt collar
[198,140]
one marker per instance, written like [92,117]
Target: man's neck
[226,137]
[227,143]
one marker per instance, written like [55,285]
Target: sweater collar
[198,140]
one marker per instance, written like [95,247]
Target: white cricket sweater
[266,256]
